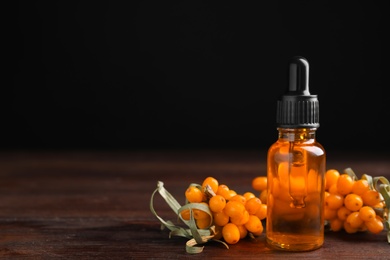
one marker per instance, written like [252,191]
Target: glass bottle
[296,169]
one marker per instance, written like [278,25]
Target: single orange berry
[193,194]
[333,189]
[334,201]
[360,186]
[263,196]
[231,233]
[343,213]
[347,227]
[234,209]
[336,224]
[248,195]
[243,231]
[375,225]
[231,194]
[371,197]
[259,183]
[212,182]
[367,213]
[253,205]
[331,177]
[204,222]
[185,214]
[344,184]
[217,203]
[354,220]
[329,214]
[254,224]
[238,198]
[223,190]
[240,220]
[220,218]
[261,213]
[353,202]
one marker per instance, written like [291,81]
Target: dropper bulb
[299,76]
[297,107]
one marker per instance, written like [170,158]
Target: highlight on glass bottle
[296,169]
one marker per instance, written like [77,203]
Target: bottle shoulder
[282,146]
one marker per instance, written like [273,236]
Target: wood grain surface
[95,204]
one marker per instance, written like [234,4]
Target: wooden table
[90,204]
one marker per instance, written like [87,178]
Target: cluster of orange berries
[352,204]
[233,215]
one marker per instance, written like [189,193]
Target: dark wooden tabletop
[88,205]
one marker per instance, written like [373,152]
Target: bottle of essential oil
[296,168]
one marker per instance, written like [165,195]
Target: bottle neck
[297,134]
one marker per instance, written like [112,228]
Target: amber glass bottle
[296,169]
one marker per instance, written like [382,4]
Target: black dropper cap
[297,108]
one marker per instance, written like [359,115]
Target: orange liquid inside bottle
[296,170]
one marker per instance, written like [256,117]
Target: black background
[190,74]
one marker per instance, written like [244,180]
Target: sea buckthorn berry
[231,193]
[334,201]
[354,220]
[360,186]
[347,227]
[259,183]
[331,177]
[263,196]
[217,203]
[253,205]
[329,214]
[248,195]
[353,202]
[223,190]
[367,213]
[193,194]
[375,225]
[200,214]
[344,184]
[343,213]
[234,209]
[238,198]
[254,224]
[240,220]
[231,233]
[243,231]
[371,197]
[333,189]
[204,222]
[220,218]
[212,182]
[261,213]
[185,214]
[336,224]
